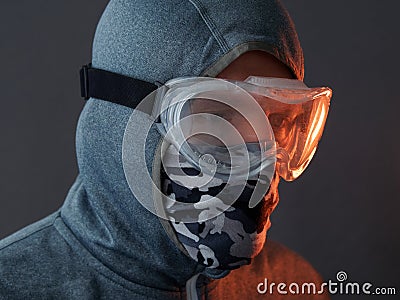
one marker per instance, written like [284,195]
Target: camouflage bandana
[227,241]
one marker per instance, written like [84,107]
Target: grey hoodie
[102,243]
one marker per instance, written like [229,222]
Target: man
[110,240]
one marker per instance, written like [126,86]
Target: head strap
[112,87]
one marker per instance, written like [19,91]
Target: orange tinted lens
[297,128]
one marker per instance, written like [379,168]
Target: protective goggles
[226,128]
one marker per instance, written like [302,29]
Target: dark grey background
[342,214]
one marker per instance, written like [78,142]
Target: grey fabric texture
[102,243]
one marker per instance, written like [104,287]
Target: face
[235,236]
[255,63]
[259,63]
[263,64]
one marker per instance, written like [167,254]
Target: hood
[156,41]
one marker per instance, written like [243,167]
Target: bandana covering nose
[227,241]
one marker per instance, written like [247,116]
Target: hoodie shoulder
[42,261]
[35,261]
[18,237]
[25,258]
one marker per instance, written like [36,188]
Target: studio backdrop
[341,214]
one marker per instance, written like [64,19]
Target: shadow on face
[255,63]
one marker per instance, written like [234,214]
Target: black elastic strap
[112,87]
